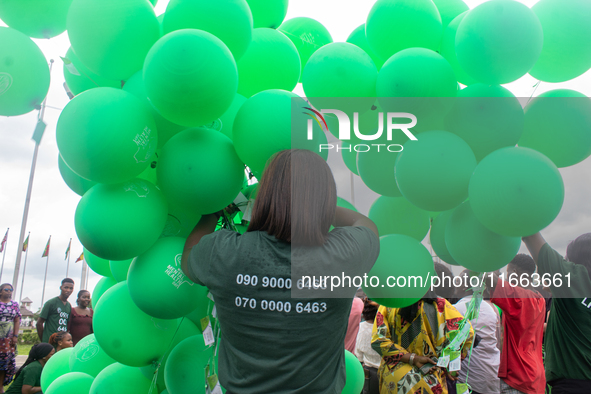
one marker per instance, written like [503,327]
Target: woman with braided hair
[61,340]
[28,378]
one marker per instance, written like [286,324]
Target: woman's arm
[205,226]
[534,243]
[347,217]
[30,389]
[17,327]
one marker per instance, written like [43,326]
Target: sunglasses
[7,289]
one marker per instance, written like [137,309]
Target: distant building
[27,317]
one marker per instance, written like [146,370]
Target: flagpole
[44,280]
[24,271]
[37,137]
[4,254]
[68,265]
[83,275]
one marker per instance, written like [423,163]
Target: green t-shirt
[271,342]
[31,376]
[568,331]
[56,316]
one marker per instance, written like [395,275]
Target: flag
[46,251]
[68,250]
[80,258]
[4,241]
[26,243]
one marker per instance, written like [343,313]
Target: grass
[24,349]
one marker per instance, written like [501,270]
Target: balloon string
[159,362]
[536,86]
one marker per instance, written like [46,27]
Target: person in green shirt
[28,378]
[568,330]
[56,312]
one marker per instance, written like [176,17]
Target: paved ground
[20,360]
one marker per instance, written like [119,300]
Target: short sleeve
[508,298]
[369,245]
[202,256]
[45,310]
[30,376]
[551,264]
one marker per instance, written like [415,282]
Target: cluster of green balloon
[565,110]
[74,181]
[112,37]
[395,215]
[98,265]
[271,62]
[476,247]
[443,163]
[181,372]
[355,374]
[56,366]
[88,357]
[36,18]
[24,74]
[490,54]
[72,382]
[79,78]
[437,237]
[101,287]
[120,221]
[190,77]
[268,13]
[404,257]
[357,37]
[516,191]
[121,379]
[307,34]
[448,50]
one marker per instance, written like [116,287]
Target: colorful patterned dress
[393,338]
[8,311]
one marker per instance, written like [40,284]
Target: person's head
[521,265]
[360,294]
[408,313]
[61,340]
[465,288]
[370,309]
[41,352]
[83,299]
[67,288]
[6,291]
[296,200]
[579,251]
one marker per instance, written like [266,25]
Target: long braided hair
[37,352]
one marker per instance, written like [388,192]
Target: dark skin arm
[40,323]
[205,226]
[17,327]
[30,389]
[534,243]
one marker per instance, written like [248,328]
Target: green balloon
[307,34]
[448,50]
[160,266]
[486,46]
[487,117]
[357,37]
[437,237]
[225,123]
[120,379]
[400,256]
[474,246]
[449,10]
[341,202]
[187,357]
[557,124]
[74,181]
[36,18]
[268,13]
[228,20]
[106,135]
[56,366]
[190,77]
[395,25]
[433,172]
[119,269]
[88,357]
[271,62]
[199,169]
[376,168]
[101,287]
[349,157]
[24,74]
[516,191]
[98,265]
[567,32]
[121,221]
[79,78]
[355,375]
[72,382]
[112,37]
[395,215]
[128,343]
[204,308]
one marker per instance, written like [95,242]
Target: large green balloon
[486,43]
[228,20]
[516,191]
[98,265]
[190,77]
[474,246]
[394,25]
[121,379]
[121,221]
[357,37]
[112,37]
[74,181]
[567,33]
[558,124]
[186,358]
[36,18]
[106,135]
[400,256]
[199,169]
[395,215]
[437,237]
[58,365]
[448,50]
[72,382]
[119,269]
[433,172]
[307,34]
[128,344]
[101,287]
[24,74]
[79,78]
[88,357]
[160,266]
[271,62]
[376,167]
[487,117]
[268,13]
[449,10]
[355,374]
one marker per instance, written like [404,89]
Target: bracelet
[412,359]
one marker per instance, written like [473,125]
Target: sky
[53,204]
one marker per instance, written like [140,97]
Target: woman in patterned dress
[414,335]
[10,319]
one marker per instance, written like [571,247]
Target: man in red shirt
[521,369]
